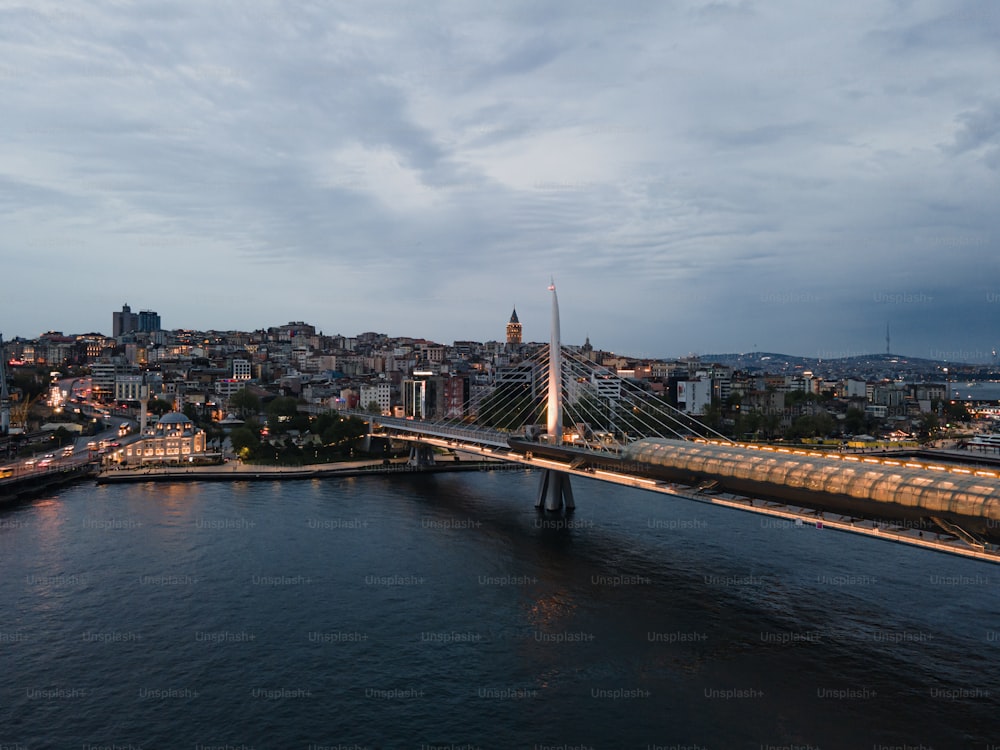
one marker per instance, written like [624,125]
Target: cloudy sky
[697,176]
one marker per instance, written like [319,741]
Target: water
[986,390]
[440,610]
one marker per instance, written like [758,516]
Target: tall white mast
[554,426]
[554,491]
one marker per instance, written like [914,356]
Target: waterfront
[988,390]
[400,611]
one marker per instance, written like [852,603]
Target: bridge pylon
[554,490]
[421,455]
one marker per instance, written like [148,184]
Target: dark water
[987,390]
[441,611]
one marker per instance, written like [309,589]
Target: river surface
[426,611]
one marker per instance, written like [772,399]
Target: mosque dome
[174,423]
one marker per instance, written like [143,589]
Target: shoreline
[238,472]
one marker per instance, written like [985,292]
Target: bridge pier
[421,456]
[555,492]
[366,443]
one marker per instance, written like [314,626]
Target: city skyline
[698,177]
[512,335]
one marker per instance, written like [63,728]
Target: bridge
[600,426]
[22,482]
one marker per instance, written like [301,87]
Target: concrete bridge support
[421,455]
[366,443]
[555,492]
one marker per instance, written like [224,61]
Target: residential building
[376,393]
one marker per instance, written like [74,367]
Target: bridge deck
[794,515]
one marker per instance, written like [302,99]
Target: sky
[697,177]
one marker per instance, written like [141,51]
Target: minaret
[143,405]
[887,349]
[554,490]
[4,393]
[514,330]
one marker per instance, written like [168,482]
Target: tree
[770,424]
[373,408]
[342,431]
[954,411]
[280,413]
[509,407]
[927,424]
[811,425]
[245,440]
[749,423]
[158,407]
[854,421]
[32,382]
[712,416]
[794,398]
[245,403]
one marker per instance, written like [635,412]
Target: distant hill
[873,365]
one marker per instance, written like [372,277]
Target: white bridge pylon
[554,490]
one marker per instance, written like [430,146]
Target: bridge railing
[467,434]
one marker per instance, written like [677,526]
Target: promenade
[237,471]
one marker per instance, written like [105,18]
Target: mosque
[173,439]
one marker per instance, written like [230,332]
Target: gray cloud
[699,176]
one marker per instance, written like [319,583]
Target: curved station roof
[955,493]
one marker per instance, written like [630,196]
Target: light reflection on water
[611,631]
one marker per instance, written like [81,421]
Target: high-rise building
[423,396]
[513,330]
[149,321]
[124,321]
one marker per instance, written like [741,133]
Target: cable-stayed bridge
[560,413]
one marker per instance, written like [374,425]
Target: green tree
[954,411]
[927,425]
[280,413]
[342,431]
[811,425]
[245,403]
[158,407]
[713,415]
[748,424]
[770,425]
[794,398]
[509,407]
[31,381]
[245,440]
[855,422]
